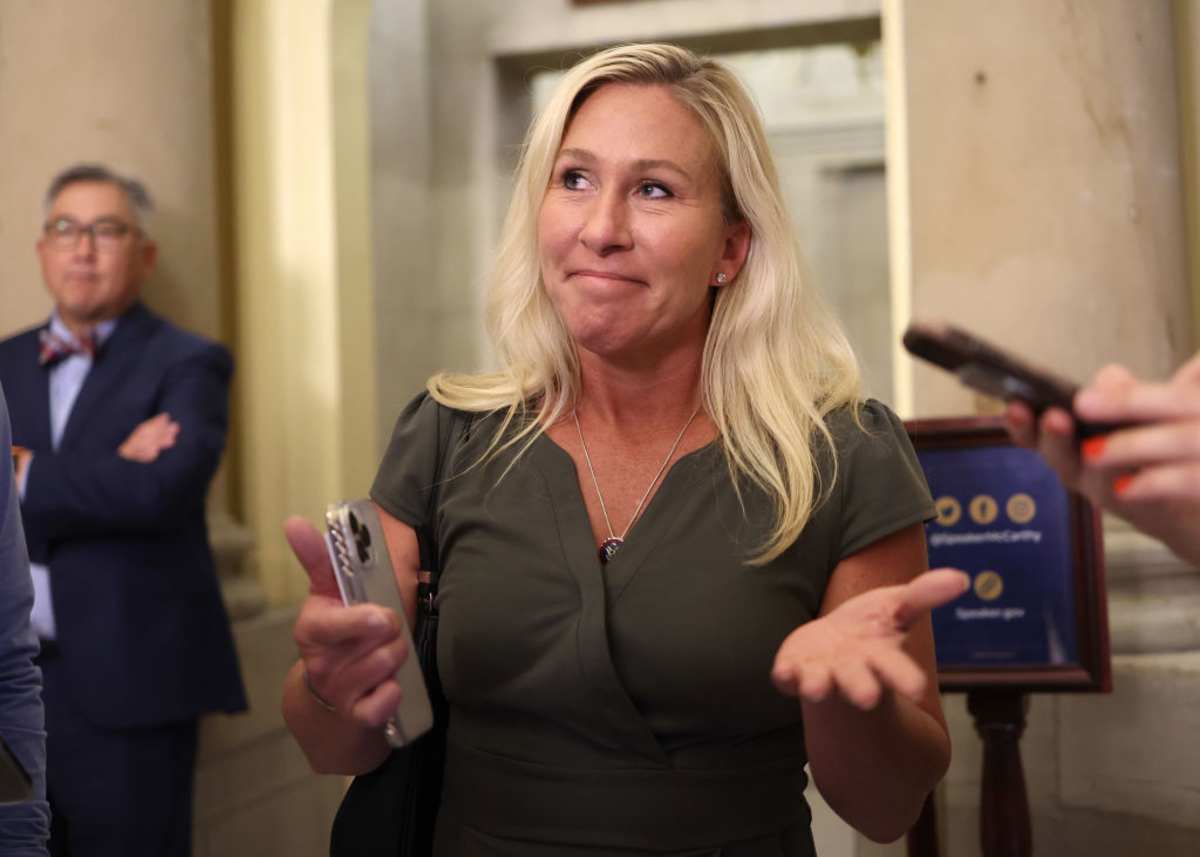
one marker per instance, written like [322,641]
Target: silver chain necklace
[610,546]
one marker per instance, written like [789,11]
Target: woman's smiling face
[631,232]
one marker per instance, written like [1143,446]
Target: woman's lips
[606,275]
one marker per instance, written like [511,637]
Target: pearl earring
[721,278]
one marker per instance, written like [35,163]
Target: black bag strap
[427,545]
[391,811]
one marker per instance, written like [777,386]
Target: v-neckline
[642,535]
[600,586]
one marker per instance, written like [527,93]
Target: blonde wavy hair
[775,361]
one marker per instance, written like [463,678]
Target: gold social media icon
[1020,508]
[983,509]
[988,586]
[948,511]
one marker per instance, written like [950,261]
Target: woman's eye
[574,180]
[653,190]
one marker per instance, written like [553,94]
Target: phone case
[364,573]
[991,370]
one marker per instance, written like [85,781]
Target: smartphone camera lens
[362,538]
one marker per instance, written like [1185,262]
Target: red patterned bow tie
[52,348]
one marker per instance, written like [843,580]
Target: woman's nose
[606,228]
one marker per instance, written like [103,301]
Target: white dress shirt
[66,380]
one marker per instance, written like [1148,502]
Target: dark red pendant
[608,549]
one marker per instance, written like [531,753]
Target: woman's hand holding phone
[350,653]
[1148,472]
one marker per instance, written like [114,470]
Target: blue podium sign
[1003,518]
[1035,615]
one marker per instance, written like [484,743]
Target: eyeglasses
[106,233]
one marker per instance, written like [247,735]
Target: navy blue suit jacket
[142,631]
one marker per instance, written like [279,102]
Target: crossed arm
[163,466]
[144,444]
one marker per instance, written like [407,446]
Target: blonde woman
[680,557]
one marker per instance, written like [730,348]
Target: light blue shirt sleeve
[25,826]
[66,381]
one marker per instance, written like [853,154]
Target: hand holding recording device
[15,783]
[364,574]
[988,369]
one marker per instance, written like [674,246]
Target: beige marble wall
[1046,183]
[304,305]
[406,298]
[1187,52]
[128,83]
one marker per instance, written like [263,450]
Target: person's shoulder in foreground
[24,826]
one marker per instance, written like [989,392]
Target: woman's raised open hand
[856,650]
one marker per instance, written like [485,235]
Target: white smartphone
[364,573]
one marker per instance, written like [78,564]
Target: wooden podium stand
[1004,826]
[1004,821]
[998,692]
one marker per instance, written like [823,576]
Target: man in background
[24,825]
[123,418]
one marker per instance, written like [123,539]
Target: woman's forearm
[875,768]
[332,743]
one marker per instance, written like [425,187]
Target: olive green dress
[626,709]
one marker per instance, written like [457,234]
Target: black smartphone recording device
[989,369]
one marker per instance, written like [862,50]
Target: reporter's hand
[1148,473]
[350,654]
[1053,435]
[856,651]
[1160,455]
[149,439]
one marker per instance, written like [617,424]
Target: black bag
[391,811]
